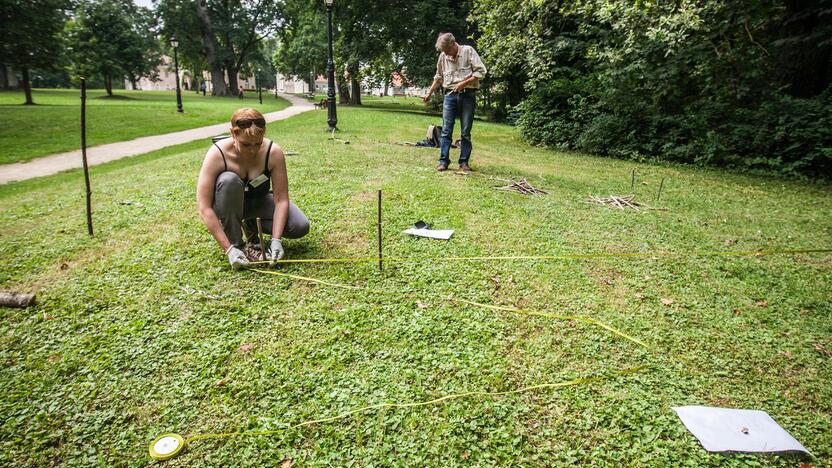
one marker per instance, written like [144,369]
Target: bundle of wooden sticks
[522,186]
[619,202]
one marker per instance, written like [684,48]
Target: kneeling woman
[234,189]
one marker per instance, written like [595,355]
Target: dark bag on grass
[431,137]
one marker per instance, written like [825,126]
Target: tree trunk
[386,85]
[27,86]
[209,44]
[343,91]
[5,72]
[218,87]
[108,84]
[355,95]
[134,82]
[233,73]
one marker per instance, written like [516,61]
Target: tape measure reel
[166,446]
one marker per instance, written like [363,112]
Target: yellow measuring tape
[552,257]
[167,446]
[170,445]
[453,396]
[576,318]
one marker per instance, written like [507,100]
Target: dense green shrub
[743,84]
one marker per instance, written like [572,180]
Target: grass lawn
[53,125]
[144,329]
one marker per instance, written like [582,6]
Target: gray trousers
[234,210]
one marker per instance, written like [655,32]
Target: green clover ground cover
[144,329]
[53,125]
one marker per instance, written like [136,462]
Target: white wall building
[290,84]
[167,80]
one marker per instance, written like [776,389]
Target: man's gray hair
[444,40]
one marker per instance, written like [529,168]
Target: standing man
[459,71]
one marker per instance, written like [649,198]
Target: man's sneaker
[464,167]
[442,167]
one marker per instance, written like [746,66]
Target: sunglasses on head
[246,123]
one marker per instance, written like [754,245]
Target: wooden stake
[633,179]
[84,152]
[260,236]
[659,194]
[379,231]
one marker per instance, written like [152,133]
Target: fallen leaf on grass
[737,311]
[421,305]
[667,302]
[64,266]
[48,317]
[639,296]
[220,382]
[246,347]
[806,465]
[54,358]
[762,303]
[287,463]
[730,241]
[787,354]
[465,455]
[821,349]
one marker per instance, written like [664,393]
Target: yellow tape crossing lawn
[454,396]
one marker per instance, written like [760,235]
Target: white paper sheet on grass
[737,430]
[443,234]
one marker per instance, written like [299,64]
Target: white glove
[236,258]
[275,252]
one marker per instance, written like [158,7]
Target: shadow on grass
[116,97]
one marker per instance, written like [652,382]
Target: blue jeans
[457,105]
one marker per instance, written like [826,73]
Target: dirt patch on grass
[342,242]
[610,282]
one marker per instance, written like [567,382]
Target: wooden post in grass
[659,194]
[84,152]
[260,235]
[633,179]
[379,230]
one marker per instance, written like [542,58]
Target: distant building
[322,84]
[166,79]
[291,85]
[396,87]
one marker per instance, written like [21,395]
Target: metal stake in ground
[260,236]
[84,152]
[379,231]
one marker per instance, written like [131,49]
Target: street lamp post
[175,43]
[259,86]
[332,119]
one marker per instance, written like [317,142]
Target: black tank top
[252,191]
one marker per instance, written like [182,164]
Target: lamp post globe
[175,44]
[332,116]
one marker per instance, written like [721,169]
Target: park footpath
[49,165]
